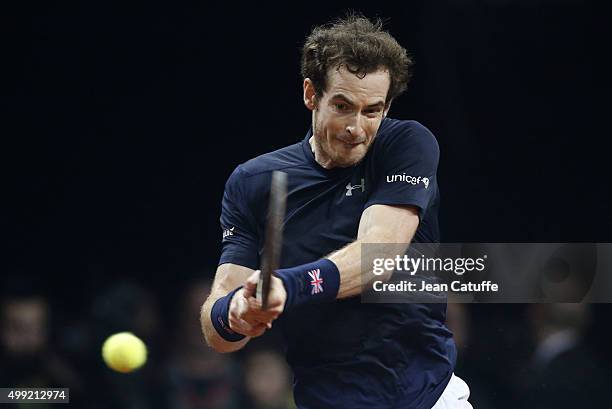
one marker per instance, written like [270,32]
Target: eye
[341,106]
[372,112]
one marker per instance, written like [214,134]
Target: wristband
[219,315]
[313,282]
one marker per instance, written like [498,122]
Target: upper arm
[239,224]
[239,255]
[388,224]
[405,168]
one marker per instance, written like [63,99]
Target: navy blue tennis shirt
[345,353]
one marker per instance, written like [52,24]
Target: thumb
[250,285]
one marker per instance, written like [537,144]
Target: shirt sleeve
[405,168]
[239,244]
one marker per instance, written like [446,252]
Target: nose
[355,128]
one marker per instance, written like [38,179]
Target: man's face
[347,116]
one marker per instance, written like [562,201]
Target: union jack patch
[316,281]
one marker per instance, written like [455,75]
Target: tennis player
[357,177]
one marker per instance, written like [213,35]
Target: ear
[309,95]
[386,111]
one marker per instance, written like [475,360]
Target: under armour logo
[349,188]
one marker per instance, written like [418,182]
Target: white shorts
[455,395]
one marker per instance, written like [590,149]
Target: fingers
[239,323]
[242,327]
[250,285]
[278,295]
[246,316]
[251,312]
[260,315]
[276,300]
[254,305]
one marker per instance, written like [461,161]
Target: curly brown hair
[361,46]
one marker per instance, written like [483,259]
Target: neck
[320,157]
[319,154]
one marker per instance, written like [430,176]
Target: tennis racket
[273,240]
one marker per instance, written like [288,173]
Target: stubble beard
[324,151]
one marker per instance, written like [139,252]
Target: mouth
[350,144]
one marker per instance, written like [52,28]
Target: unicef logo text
[413,180]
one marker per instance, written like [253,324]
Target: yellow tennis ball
[124,352]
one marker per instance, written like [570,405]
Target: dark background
[123,123]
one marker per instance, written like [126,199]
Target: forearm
[340,275]
[392,227]
[349,263]
[227,278]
